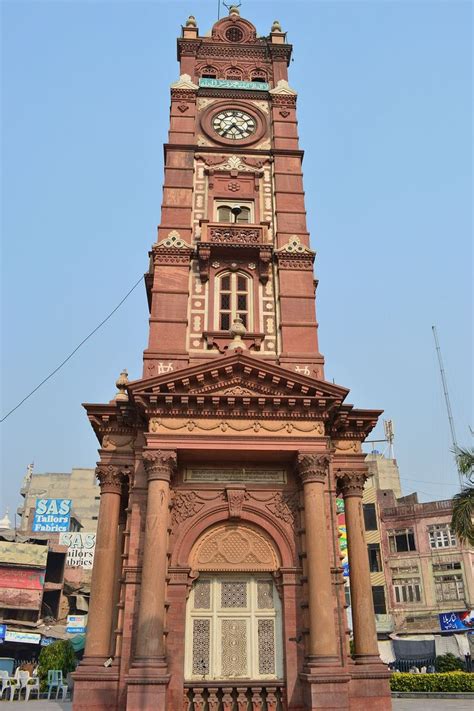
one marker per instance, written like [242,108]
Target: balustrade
[200,697]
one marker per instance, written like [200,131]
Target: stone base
[147,683]
[370,688]
[326,688]
[95,688]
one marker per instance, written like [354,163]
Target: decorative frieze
[284,506]
[235,474]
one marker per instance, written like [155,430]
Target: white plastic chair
[28,683]
[5,684]
[55,679]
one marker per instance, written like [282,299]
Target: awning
[78,642]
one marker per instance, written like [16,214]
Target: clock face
[234,124]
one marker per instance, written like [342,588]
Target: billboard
[449,621]
[341,526]
[76,624]
[52,515]
[81,548]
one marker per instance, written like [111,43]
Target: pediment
[237,375]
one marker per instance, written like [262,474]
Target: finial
[276,27]
[237,330]
[5,521]
[191,21]
[234,10]
[122,382]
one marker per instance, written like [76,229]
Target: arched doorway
[234,614]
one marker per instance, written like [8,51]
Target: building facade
[217,580]
[427,570]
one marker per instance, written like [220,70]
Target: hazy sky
[384,119]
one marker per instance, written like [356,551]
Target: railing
[410,509]
[223,697]
[239,233]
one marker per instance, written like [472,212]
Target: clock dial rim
[258,123]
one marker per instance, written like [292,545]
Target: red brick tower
[217,580]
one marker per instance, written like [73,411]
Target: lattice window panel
[202,595]
[234,594]
[234,661]
[266,647]
[265,595]
[201,646]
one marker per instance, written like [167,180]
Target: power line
[84,340]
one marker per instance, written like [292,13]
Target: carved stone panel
[234,547]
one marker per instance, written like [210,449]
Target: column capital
[159,463]
[313,467]
[112,477]
[351,483]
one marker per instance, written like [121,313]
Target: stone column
[366,650]
[101,610]
[150,650]
[323,650]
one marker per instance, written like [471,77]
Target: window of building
[375,561]
[234,300]
[234,73]
[370,517]
[209,73]
[378,596]
[441,536]
[407,590]
[225,214]
[404,569]
[441,567]
[258,75]
[448,586]
[401,541]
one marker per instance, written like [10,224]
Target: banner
[464,620]
[81,548]
[341,526]
[23,554]
[52,515]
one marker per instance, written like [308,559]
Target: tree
[463,502]
[58,655]
[448,663]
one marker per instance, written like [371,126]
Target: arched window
[258,75]
[234,300]
[209,73]
[225,214]
[233,73]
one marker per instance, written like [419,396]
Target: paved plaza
[398,705]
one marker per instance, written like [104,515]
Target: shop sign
[81,548]
[46,641]
[464,620]
[52,515]
[3,629]
[22,637]
[76,624]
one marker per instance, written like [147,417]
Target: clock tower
[217,582]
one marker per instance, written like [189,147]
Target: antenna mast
[448,404]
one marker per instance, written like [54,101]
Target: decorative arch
[234,299]
[258,75]
[234,547]
[234,72]
[208,71]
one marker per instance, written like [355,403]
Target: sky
[384,106]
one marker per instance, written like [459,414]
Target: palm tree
[463,502]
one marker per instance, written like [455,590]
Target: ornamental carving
[284,506]
[236,235]
[173,241]
[351,483]
[111,478]
[185,505]
[297,263]
[235,499]
[266,428]
[234,547]
[313,467]
[159,464]
[294,246]
[349,445]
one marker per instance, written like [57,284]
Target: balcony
[225,697]
[218,237]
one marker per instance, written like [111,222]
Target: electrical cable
[84,340]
